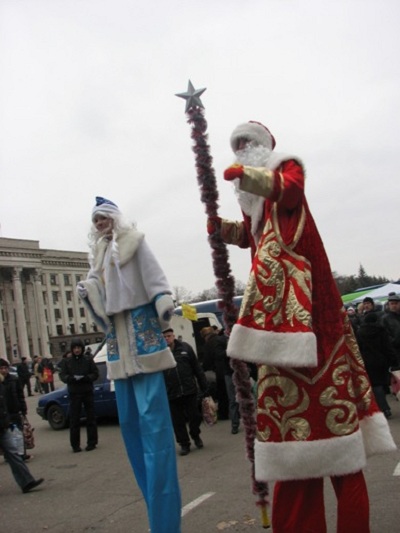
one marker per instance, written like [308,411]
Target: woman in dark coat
[378,357]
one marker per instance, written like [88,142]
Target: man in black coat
[183,384]
[10,405]
[79,373]
[391,322]
[378,356]
[24,375]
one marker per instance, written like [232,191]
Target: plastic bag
[27,431]
[209,410]
[18,439]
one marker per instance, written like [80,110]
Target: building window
[59,330]
[94,326]
[78,278]
[67,279]
[81,312]
[72,328]
[55,297]
[68,296]
[70,312]
[83,328]
[53,279]
[57,314]
[45,314]
[44,298]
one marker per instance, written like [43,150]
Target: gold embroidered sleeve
[258,180]
[233,232]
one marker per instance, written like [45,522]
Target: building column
[3,347]
[43,332]
[23,343]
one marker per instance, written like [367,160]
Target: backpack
[47,375]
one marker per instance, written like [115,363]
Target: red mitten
[213,224]
[232,172]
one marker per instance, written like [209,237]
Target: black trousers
[76,402]
[185,410]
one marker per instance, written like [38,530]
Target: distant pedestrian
[36,372]
[379,356]
[46,373]
[24,375]
[10,404]
[215,359]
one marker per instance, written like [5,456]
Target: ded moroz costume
[316,414]
[129,297]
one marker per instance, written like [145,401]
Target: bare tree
[181,294]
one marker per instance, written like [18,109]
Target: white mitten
[165,309]
[82,291]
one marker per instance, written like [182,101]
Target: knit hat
[4,362]
[253,131]
[394,298]
[105,207]
[368,299]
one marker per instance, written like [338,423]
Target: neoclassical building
[40,309]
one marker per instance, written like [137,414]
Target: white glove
[165,309]
[82,291]
[77,377]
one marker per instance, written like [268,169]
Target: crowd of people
[377,331]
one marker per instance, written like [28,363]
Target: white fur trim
[304,459]
[148,365]
[376,434]
[271,348]
[129,362]
[105,210]
[252,131]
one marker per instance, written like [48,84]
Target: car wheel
[56,417]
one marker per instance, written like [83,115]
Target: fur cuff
[376,434]
[271,348]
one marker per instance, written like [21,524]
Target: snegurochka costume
[316,414]
[129,297]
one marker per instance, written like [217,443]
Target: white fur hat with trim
[105,207]
[253,131]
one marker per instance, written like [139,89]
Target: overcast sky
[87,108]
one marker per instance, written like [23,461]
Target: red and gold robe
[316,414]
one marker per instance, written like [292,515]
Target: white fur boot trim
[309,459]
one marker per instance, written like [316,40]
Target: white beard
[252,204]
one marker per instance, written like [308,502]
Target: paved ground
[96,491]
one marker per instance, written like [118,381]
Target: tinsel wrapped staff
[225,281]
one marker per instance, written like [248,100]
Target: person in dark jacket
[378,356]
[79,372]
[215,359]
[182,384]
[24,375]
[9,406]
[391,322]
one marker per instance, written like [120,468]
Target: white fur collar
[126,244]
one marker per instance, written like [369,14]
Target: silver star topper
[192,97]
